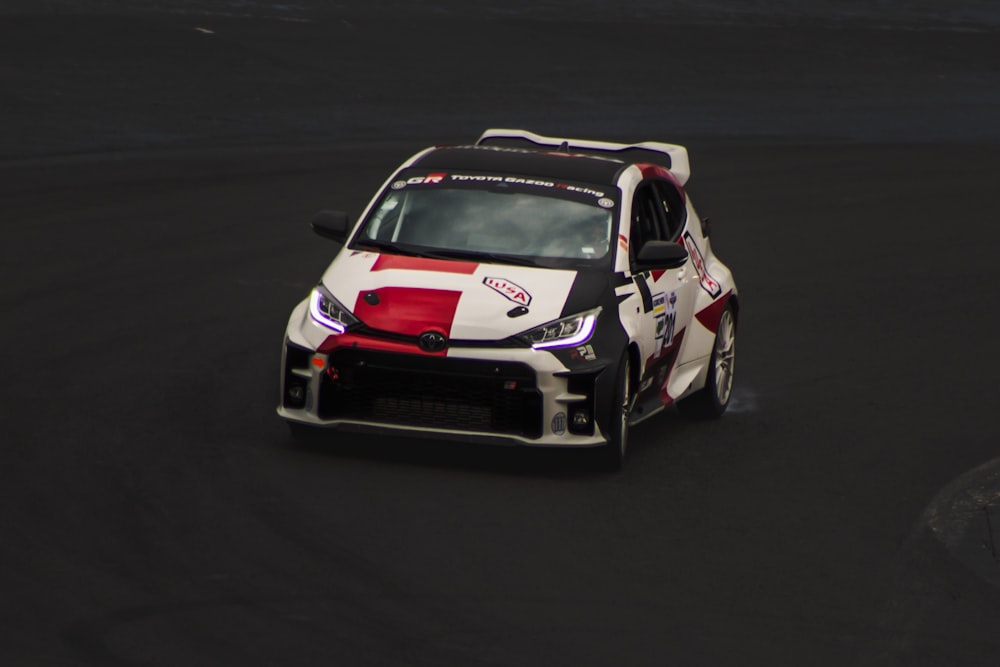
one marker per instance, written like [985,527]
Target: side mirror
[332,225]
[661,255]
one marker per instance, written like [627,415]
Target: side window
[648,218]
[673,206]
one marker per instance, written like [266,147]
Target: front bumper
[504,395]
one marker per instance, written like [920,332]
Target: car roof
[546,163]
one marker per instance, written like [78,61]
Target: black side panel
[589,290]
[647,297]
[596,360]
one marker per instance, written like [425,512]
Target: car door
[668,294]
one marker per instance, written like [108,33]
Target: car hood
[463,300]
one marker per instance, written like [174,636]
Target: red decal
[405,263]
[657,273]
[409,310]
[656,171]
[708,283]
[665,397]
[368,343]
[712,314]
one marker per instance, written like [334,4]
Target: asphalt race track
[158,165]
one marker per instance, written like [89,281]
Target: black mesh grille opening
[435,392]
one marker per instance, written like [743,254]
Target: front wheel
[712,401]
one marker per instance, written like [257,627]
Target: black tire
[612,454]
[711,401]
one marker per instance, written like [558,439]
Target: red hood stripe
[406,263]
[409,310]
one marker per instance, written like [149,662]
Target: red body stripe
[651,170]
[409,310]
[655,170]
[712,314]
[671,359]
[333,342]
[386,262]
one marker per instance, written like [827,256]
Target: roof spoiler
[671,156]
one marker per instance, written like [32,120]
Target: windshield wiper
[444,253]
[482,257]
[394,248]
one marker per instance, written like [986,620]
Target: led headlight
[571,330]
[328,311]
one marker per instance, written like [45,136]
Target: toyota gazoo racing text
[525,289]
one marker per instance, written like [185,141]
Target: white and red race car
[526,289]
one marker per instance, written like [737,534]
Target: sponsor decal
[478,178]
[603,200]
[665,317]
[559,423]
[513,180]
[623,242]
[513,292]
[429,179]
[585,352]
[708,283]
[581,190]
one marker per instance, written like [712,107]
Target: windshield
[496,216]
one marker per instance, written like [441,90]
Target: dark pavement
[157,168]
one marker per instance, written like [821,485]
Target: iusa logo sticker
[665,316]
[513,292]
[559,423]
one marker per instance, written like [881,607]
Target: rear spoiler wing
[671,156]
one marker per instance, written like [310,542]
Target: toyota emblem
[432,341]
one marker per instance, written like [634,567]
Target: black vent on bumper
[411,390]
[297,374]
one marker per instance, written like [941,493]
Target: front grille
[412,390]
